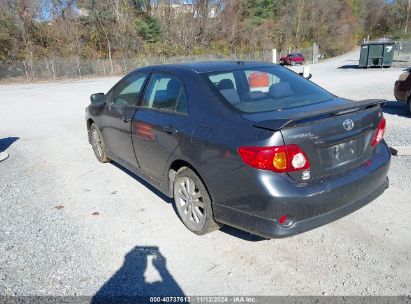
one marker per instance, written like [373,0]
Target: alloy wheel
[190,202]
[96,142]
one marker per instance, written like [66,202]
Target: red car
[292,59]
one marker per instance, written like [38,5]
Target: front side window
[165,92]
[266,89]
[127,91]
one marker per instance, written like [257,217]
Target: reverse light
[379,135]
[281,159]
[298,161]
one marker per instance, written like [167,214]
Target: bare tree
[408,15]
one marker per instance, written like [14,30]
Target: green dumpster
[376,54]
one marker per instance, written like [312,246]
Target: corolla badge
[348,124]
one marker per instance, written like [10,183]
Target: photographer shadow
[129,283]
[5,143]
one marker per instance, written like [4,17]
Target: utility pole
[274,56]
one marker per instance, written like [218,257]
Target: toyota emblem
[348,124]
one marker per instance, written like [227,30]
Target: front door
[116,119]
[159,123]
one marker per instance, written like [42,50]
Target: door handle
[169,129]
[125,119]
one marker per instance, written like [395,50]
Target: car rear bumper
[311,205]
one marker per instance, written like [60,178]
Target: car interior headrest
[173,88]
[225,84]
[281,89]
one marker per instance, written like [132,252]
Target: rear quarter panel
[211,140]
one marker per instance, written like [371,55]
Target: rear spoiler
[350,106]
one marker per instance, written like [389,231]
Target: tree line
[37,29]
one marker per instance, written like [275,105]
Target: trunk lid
[335,137]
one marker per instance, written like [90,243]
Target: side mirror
[98,98]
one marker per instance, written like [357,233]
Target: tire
[98,144]
[193,203]
[409,106]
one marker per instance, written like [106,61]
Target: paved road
[72,226]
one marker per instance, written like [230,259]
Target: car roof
[208,66]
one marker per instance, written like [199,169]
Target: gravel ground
[72,226]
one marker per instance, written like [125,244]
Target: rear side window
[266,89]
[228,77]
[165,92]
[227,86]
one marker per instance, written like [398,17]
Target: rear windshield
[266,89]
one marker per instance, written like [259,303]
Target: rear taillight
[289,158]
[379,135]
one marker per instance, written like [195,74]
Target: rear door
[116,118]
[159,123]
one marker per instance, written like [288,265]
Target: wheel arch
[90,121]
[176,165]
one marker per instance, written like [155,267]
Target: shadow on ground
[396,108]
[5,143]
[349,66]
[356,67]
[144,183]
[246,236]
[130,282]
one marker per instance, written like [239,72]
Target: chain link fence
[402,52]
[66,68]
[77,68]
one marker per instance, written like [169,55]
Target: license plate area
[343,153]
